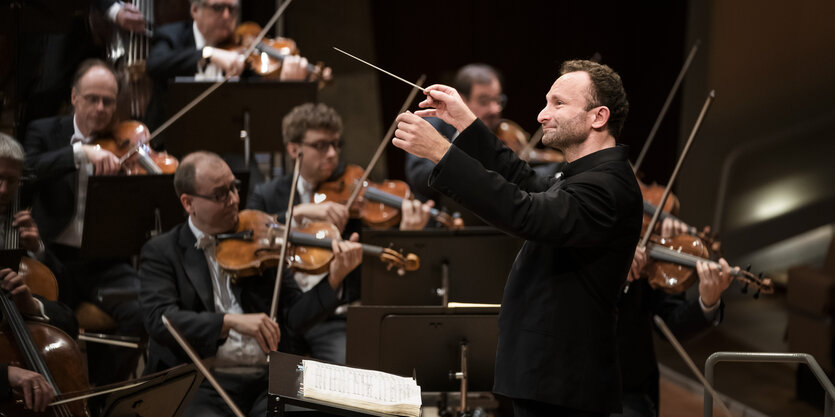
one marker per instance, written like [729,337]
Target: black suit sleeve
[491,181]
[685,318]
[45,162]
[301,310]
[159,296]
[170,56]
[60,316]
[256,199]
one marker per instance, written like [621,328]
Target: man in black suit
[556,353]
[180,278]
[190,48]
[316,130]
[60,155]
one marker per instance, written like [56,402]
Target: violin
[256,243]
[516,138]
[267,57]
[378,204]
[672,266]
[129,142]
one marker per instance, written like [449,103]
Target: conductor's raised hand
[417,137]
[445,103]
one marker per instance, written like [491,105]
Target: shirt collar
[77,136]
[617,153]
[305,189]
[202,240]
[199,40]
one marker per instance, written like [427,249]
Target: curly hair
[309,116]
[606,90]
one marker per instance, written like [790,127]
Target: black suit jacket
[173,53]
[49,157]
[559,309]
[175,281]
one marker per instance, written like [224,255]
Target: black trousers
[531,408]
[248,392]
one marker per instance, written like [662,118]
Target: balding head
[185,179]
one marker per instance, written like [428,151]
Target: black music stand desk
[285,379]
[215,124]
[469,266]
[426,340]
[164,394]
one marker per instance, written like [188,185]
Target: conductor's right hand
[104,162]
[231,62]
[448,106]
[257,325]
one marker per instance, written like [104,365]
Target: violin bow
[217,85]
[288,221]
[385,141]
[532,142]
[689,361]
[660,207]
[666,105]
[200,366]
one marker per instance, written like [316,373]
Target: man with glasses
[481,88]
[190,48]
[316,131]
[181,279]
[60,155]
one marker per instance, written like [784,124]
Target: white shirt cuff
[113,11]
[41,316]
[709,312]
[78,155]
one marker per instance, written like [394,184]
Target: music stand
[123,212]
[215,124]
[427,340]
[165,394]
[284,388]
[473,263]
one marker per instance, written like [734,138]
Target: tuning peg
[760,276]
[748,268]
[744,289]
[757,294]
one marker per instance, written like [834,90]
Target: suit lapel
[196,267]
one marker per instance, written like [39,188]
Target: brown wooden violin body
[132,137]
[515,138]
[378,204]
[375,215]
[268,56]
[257,241]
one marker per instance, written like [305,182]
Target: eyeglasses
[93,99]
[323,146]
[221,196]
[485,101]
[220,7]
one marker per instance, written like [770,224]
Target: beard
[567,134]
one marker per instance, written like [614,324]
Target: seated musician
[190,48]
[35,389]
[60,155]
[11,167]
[180,279]
[687,318]
[316,131]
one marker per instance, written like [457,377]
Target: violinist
[560,303]
[180,278]
[316,130]
[688,319]
[191,48]
[11,166]
[480,86]
[60,156]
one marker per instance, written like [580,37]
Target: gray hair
[9,148]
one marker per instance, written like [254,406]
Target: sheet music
[358,385]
